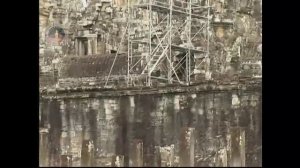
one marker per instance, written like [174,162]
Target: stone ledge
[92,92]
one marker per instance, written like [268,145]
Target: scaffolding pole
[128,45]
[170,41]
[150,46]
[161,55]
[208,38]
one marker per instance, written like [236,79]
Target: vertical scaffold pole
[170,43]
[207,33]
[190,29]
[128,44]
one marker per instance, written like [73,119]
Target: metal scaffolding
[176,43]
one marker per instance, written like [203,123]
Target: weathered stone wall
[48,76]
[235,35]
[218,127]
[223,129]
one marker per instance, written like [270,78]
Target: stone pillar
[90,46]
[186,147]
[222,158]
[87,149]
[43,25]
[95,46]
[87,153]
[118,161]
[80,48]
[137,158]
[76,47]
[66,160]
[157,157]
[167,155]
[43,149]
[65,140]
[243,147]
[237,151]
[54,133]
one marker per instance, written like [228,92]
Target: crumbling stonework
[93,114]
[129,125]
[98,27]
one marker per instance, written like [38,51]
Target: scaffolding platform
[173,47]
[162,42]
[165,8]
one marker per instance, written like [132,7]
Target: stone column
[186,147]
[222,158]
[167,156]
[118,161]
[43,149]
[54,133]
[157,157]
[65,140]
[243,147]
[87,153]
[76,47]
[90,46]
[237,151]
[88,147]
[43,25]
[137,158]
[66,160]
[95,46]
[80,48]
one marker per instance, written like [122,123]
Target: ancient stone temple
[158,83]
